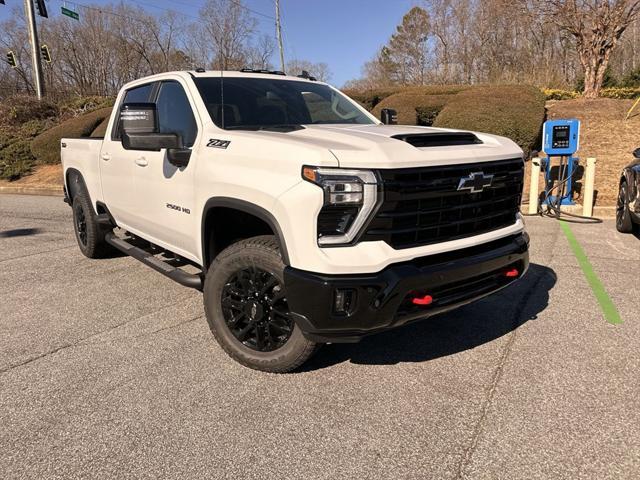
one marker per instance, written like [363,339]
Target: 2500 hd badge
[322,224]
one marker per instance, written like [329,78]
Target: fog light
[343,301]
[511,273]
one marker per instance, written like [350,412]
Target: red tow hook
[426,300]
[513,272]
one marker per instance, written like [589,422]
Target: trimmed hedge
[414,108]
[46,146]
[101,130]
[512,111]
[370,98]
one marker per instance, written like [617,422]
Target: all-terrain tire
[624,224]
[258,254]
[89,233]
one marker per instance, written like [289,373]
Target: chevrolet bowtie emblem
[475,182]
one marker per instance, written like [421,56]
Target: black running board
[183,278]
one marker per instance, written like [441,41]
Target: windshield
[255,103]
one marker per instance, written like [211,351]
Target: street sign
[70,13]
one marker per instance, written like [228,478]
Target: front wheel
[624,224]
[247,310]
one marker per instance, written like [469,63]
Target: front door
[117,164]
[164,192]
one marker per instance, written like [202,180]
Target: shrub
[101,130]
[20,109]
[46,146]
[77,106]
[414,108]
[556,94]
[620,93]
[631,79]
[371,98]
[512,111]
[16,158]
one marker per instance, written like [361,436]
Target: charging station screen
[560,137]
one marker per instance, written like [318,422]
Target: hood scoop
[439,139]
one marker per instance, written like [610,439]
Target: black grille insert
[423,206]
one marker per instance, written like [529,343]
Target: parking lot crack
[498,372]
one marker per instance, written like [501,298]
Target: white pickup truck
[302,218]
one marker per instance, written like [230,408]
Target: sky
[342,33]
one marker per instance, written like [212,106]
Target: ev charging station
[560,138]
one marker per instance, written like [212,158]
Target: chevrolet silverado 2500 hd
[302,218]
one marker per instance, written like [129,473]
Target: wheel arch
[251,211]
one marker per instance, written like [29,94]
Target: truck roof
[200,73]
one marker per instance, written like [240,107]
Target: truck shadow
[20,232]
[452,332]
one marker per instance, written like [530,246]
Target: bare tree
[597,26]
[260,53]
[229,27]
[319,70]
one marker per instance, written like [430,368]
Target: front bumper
[381,301]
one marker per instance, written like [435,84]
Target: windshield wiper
[269,128]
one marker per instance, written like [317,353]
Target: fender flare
[74,182]
[251,209]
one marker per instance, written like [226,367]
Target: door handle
[142,162]
[106,157]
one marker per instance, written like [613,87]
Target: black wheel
[89,234]
[247,310]
[624,224]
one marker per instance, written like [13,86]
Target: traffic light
[46,54]
[11,59]
[42,8]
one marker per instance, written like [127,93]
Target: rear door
[164,193]
[117,164]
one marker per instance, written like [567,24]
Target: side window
[139,94]
[175,114]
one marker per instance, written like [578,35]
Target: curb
[48,191]
[598,211]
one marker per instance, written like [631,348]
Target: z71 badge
[218,143]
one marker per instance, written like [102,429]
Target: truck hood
[373,146]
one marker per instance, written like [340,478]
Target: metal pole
[35,48]
[279,35]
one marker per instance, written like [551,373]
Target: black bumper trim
[452,278]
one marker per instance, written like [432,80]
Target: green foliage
[46,146]
[414,108]
[513,111]
[16,158]
[631,79]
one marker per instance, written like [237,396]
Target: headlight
[350,196]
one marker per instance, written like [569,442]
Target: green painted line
[607,306]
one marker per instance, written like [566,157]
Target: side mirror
[138,118]
[388,116]
[636,153]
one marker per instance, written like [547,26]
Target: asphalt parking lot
[108,370]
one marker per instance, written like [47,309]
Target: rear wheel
[89,234]
[624,224]
[247,309]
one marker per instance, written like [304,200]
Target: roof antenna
[222,95]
